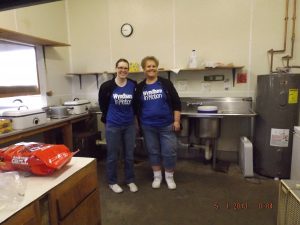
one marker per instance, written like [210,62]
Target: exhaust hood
[8,4]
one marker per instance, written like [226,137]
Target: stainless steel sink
[202,127]
[226,106]
[207,125]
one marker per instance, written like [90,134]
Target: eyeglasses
[122,68]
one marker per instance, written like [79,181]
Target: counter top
[64,124]
[219,114]
[37,186]
[50,122]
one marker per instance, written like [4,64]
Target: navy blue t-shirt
[155,109]
[120,110]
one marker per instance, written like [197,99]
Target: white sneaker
[156,182]
[115,188]
[170,182]
[132,187]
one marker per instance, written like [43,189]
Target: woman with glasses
[116,103]
[158,106]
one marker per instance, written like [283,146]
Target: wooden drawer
[26,216]
[87,213]
[75,190]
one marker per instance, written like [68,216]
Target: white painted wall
[227,31]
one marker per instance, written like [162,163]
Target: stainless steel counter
[220,114]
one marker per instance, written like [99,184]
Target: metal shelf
[97,74]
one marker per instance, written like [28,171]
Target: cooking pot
[57,112]
[78,106]
[25,118]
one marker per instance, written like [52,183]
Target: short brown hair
[149,58]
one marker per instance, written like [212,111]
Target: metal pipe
[294,27]
[271,64]
[206,148]
[288,58]
[285,28]
[272,51]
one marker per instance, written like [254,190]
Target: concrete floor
[202,197]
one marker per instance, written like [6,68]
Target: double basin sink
[207,125]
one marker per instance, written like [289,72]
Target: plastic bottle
[193,60]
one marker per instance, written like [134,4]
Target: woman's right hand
[176,126]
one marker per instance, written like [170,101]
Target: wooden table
[64,124]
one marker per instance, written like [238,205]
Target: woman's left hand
[176,126]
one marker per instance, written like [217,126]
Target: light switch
[227,84]
[205,87]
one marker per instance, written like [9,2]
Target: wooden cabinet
[26,216]
[74,201]
[86,213]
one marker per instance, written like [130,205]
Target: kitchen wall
[226,31]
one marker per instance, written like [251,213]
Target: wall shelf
[28,39]
[97,74]
[232,68]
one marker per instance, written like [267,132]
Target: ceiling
[9,4]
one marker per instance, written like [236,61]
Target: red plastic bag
[37,158]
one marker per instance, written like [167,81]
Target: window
[18,70]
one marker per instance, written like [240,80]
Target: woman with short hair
[158,106]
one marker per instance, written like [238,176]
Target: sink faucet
[193,103]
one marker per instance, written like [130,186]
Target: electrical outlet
[214,78]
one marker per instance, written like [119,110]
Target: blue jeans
[161,144]
[118,138]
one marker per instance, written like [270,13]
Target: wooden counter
[64,124]
[69,196]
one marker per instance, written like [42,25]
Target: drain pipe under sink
[206,147]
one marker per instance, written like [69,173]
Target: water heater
[277,106]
